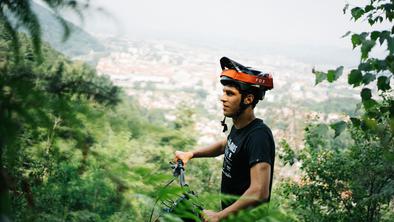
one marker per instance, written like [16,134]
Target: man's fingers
[177,155]
[184,156]
[204,216]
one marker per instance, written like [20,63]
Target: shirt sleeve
[258,147]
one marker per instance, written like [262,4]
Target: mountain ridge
[78,44]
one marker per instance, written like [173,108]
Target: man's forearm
[251,197]
[257,192]
[212,150]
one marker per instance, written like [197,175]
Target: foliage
[19,14]
[44,108]
[71,143]
[341,181]
[73,148]
[352,181]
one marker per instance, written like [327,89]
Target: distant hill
[79,43]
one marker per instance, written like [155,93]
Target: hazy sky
[272,23]
[297,21]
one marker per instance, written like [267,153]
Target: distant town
[163,75]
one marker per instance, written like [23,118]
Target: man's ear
[248,99]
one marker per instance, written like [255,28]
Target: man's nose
[223,98]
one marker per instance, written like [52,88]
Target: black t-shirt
[245,147]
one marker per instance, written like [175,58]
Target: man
[249,150]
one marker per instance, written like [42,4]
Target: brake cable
[178,171]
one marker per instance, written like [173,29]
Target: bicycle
[186,207]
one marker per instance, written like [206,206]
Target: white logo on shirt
[231,146]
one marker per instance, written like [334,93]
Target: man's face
[231,100]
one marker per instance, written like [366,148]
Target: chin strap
[242,107]
[224,124]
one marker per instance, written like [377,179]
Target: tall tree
[353,181]
[16,15]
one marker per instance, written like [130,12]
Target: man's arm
[257,192]
[212,150]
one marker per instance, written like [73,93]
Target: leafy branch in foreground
[347,166]
[371,70]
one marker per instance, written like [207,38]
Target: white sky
[276,23]
[296,21]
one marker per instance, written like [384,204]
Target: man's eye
[230,93]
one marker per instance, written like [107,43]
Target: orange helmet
[245,77]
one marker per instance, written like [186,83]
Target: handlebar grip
[181,173]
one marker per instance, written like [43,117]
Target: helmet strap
[242,106]
[224,124]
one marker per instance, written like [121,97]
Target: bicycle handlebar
[179,170]
[176,206]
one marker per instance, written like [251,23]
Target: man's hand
[184,156]
[211,216]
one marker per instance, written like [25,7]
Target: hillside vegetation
[73,147]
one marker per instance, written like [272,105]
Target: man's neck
[244,119]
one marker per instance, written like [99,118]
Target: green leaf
[385,35]
[366,47]
[369,104]
[365,66]
[355,77]
[366,94]
[356,40]
[339,127]
[355,121]
[333,75]
[338,72]
[357,12]
[369,8]
[330,75]
[371,21]
[380,65]
[389,63]
[367,78]
[390,45]
[383,83]
[319,77]
[375,35]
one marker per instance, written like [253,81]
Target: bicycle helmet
[248,80]
[245,77]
